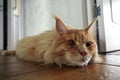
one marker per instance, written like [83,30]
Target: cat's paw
[84,64]
[97,59]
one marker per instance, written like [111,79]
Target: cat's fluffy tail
[8,52]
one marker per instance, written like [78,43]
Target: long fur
[53,46]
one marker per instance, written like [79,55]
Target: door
[1,24]
[111,17]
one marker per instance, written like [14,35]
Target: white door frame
[101,35]
[15,22]
[101,30]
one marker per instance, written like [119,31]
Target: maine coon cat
[63,46]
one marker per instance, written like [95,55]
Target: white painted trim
[10,26]
[1,24]
[15,24]
[84,13]
[89,10]
[21,19]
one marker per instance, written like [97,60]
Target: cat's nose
[83,53]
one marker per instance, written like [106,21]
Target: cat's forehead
[78,35]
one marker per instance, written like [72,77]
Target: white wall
[39,14]
[36,16]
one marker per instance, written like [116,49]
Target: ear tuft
[60,26]
[89,27]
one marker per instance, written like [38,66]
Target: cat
[63,46]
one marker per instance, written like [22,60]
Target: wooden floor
[12,68]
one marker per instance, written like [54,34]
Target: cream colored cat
[62,46]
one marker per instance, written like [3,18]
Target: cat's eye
[71,42]
[88,44]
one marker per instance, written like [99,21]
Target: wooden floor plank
[12,68]
[92,72]
[8,59]
[112,60]
[21,68]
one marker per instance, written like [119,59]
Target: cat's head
[72,46]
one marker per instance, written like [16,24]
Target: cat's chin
[80,63]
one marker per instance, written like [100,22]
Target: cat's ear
[60,26]
[88,29]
